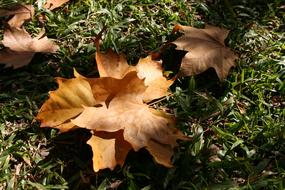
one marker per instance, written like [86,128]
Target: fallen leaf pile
[115,107]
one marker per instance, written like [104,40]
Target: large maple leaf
[206,48]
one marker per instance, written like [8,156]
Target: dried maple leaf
[52,4]
[143,127]
[111,64]
[206,49]
[21,14]
[19,42]
[116,113]
[121,121]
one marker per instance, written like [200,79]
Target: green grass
[237,125]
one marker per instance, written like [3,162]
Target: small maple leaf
[206,49]
[19,42]
[21,14]
[53,4]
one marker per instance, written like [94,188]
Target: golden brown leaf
[120,120]
[206,49]
[126,111]
[21,14]
[109,149]
[53,4]
[19,42]
[65,103]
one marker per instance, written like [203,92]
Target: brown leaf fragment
[65,103]
[53,4]
[21,14]
[22,46]
[109,149]
[206,49]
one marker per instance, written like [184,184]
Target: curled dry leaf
[206,48]
[53,4]
[19,42]
[21,14]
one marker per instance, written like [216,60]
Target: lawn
[237,126]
